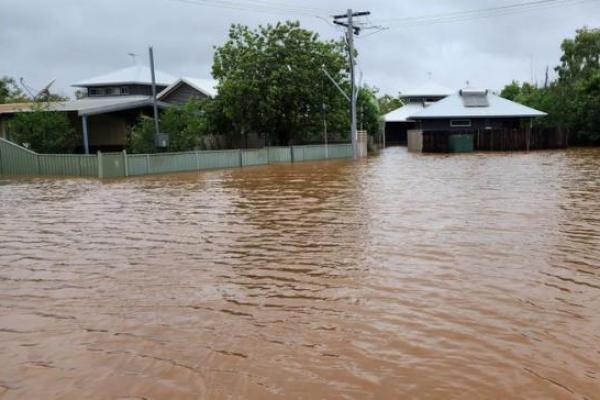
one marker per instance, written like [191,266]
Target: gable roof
[429,89]
[453,106]
[137,74]
[208,87]
[403,113]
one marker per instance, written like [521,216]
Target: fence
[443,141]
[17,160]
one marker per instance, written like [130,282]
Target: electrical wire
[468,15]
[263,6]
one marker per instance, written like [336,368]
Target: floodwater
[401,277]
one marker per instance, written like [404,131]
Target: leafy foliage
[573,100]
[368,110]
[45,131]
[184,124]
[389,103]
[10,92]
[271,82]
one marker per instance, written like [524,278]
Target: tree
[573,100]
[43,130]
[184,124]
[368,110]
[389,103]
[10,92]
[271,82]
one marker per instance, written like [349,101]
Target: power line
[461,16]
[262,6]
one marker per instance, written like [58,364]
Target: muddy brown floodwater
[404,277]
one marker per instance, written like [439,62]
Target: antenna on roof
[133,57]
[45,91]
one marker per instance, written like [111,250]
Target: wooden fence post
[147,164]
[292,153]
[125,163]
[100,166]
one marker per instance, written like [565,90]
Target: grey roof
[454,107]
[94,105]
[403,113]
[206,86]
[429,89]
[137,74]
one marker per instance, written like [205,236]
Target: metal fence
[17,160]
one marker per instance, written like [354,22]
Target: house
[113,102]
[478,119]
[397,122]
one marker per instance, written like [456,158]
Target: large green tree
[271,82]
[573,100]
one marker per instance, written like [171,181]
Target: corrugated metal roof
[429,89]
[453,107]
[137,74]
[206,86]
[88,105]
[403,113]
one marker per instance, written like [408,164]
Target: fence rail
[17,160]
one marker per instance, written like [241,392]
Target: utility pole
[154,105]
[351,31]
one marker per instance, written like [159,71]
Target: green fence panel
[338,151]
[88,165]
[460,143]
[309,153]
[255,157]
[17,160]
[172,162]
[113,165]
[219,159]
[279,154]
[138,164]
[59,164]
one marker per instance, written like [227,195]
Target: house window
[113,91]
[97,92]
[460,123]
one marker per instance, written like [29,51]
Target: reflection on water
[407,276]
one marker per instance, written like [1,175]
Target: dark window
[124,90]
[460,123]
[97,92]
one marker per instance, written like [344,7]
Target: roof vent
[474,98]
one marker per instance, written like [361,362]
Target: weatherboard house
[467,120]
[112,103]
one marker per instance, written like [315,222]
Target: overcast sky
[75,39]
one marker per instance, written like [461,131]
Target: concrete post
[125,163]
[100,166]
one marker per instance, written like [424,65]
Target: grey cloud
[74,39]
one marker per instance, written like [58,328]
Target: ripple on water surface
[406,276]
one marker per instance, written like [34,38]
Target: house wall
[476,123]
[182,94]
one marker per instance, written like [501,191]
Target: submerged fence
[17,160]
